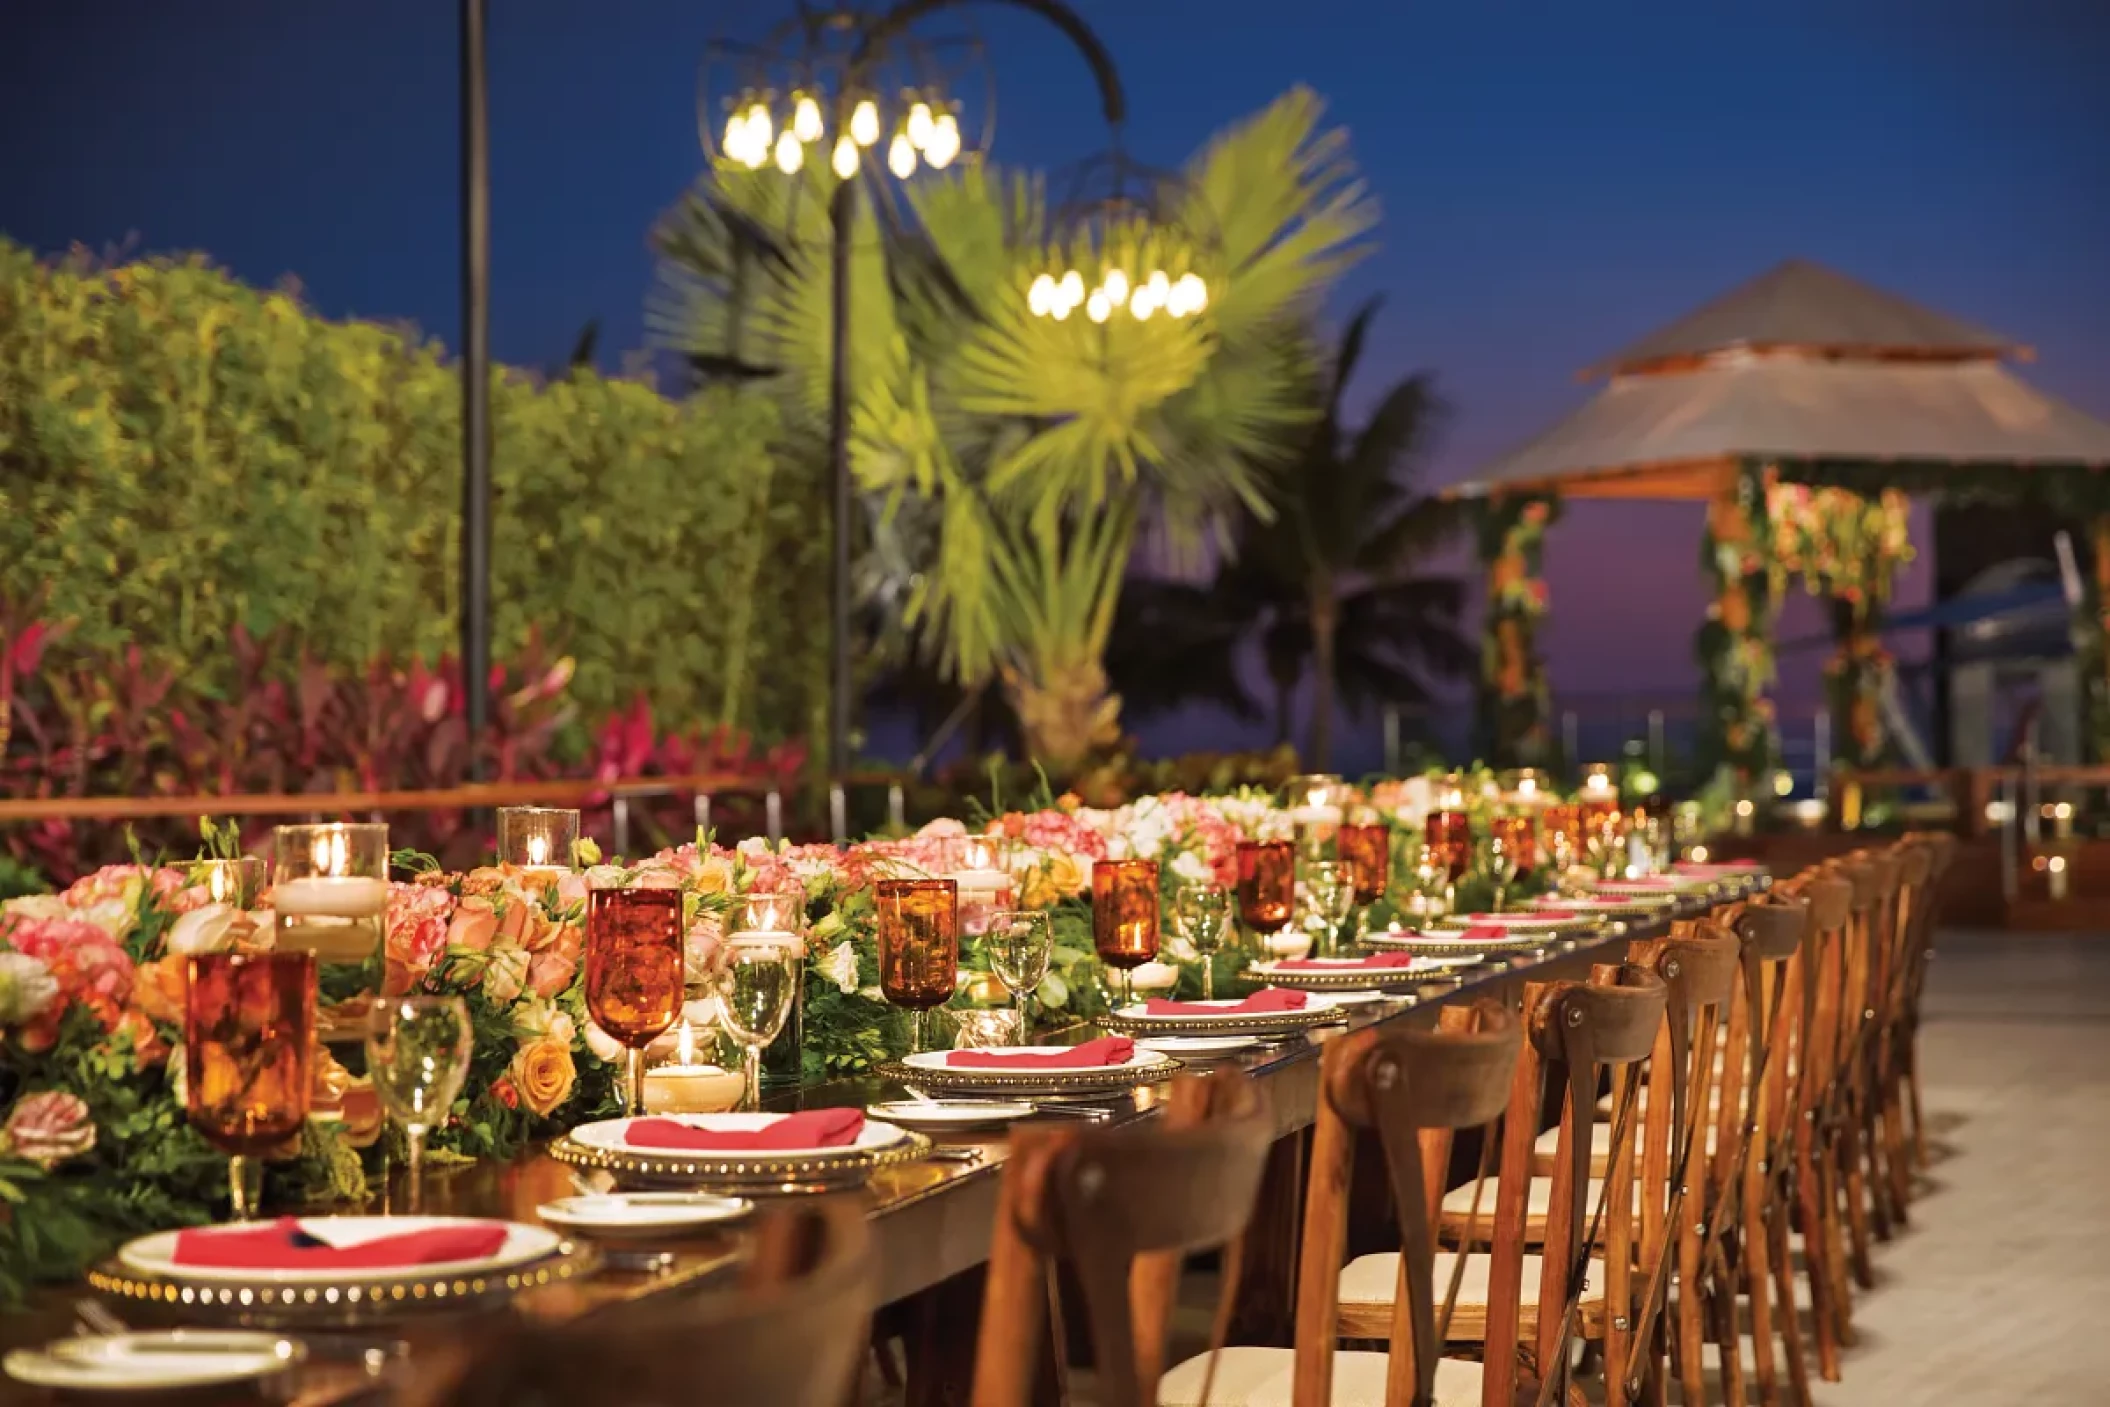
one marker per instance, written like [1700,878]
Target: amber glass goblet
[1450,835]
[634,970]
[1267,884]
[248,1035]
[1125,916]
[1367,850]
[1518,839]
[919,946]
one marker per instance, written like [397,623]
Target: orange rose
[474,924]
[148,1048]
[158,988]
[542,1072]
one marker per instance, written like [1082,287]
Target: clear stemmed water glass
[1019,945]
[418,1055]
[1201,911]
[1329,886]
[757,983]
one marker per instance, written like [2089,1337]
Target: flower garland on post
[1848,547]
[1735,644]
[2091,641]
[1516,703]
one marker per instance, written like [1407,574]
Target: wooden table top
[931,1219]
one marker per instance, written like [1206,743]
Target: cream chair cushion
[1368,1284]
[1262,1377]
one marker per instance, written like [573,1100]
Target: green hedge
[180,453]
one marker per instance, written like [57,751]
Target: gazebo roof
[1681,434]
[1807,307]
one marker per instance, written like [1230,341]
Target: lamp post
[817,83]
[476,382]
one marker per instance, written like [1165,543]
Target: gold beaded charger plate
[1600,905]
[1458,947]
[774,1171]
[928,1071]
[1226,1019]
[348,1299]
[1349,975]
[155,1254]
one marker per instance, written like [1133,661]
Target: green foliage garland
[1516,702]
[1735,642]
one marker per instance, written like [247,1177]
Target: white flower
[1191,867]
[203,930]
[35,906]
[604,1046]
[1154,976]
[506,974]
[842,967]
[116,917]
[538,1018]
[26,988]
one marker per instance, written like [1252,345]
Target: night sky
[1557,178]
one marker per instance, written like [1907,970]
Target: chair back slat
[1121,1206]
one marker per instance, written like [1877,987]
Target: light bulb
[920,125]
[1192,296]
[1143,305]
[790,155]
[1041,297]
[1063,308]
[864,122]
[901,157]
[1116,286]
[1072,286]
[944,141]
[756,155]
[845,157]
[735,144]
[760,130]
[806,119]
[1160,287]
[1096,307]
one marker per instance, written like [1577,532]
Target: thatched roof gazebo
[1801,406]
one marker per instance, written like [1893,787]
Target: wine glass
[1432,884]
[1200,912]
[1367,848]
[418,1055]
[634,963]
[757,982]
[1125,917]
[1329,889]
[248,1038]
[1019,945]
[919,946]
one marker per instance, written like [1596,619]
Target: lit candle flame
[979,855]
[217,883]
[538,849]
[330,854]
[686,1043]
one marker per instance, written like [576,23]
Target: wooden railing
[570,791]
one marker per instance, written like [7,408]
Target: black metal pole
[841,216]
[476,382]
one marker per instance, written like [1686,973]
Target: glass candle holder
[1125,916]
[983,878]
[1561,826]
[1267,884]
[539,842]
[1367,851]
[238,882]
[919,946]
[248,1038]
[329,898]
[634,970]
[1599,797]
[1315,802]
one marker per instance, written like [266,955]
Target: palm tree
[1332,579]
[1023,453]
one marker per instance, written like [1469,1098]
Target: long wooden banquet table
[932,1219]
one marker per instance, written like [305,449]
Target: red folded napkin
[814,1128]
[1509,917]
[1261,1003]
[1479,932]
[1107,1050]
[282,1245]
[1337,965]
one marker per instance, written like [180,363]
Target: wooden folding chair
[793,1330]
[1123,1207]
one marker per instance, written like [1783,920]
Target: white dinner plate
[1198,1045]
[1227,1010]
[641,1213]
[154,1362]
[156,1254]
[1461,922]
[936,1060]
[951,1113]
[610,1135]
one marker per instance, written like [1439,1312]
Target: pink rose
[48,1128]
[474,925]
[550,971]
